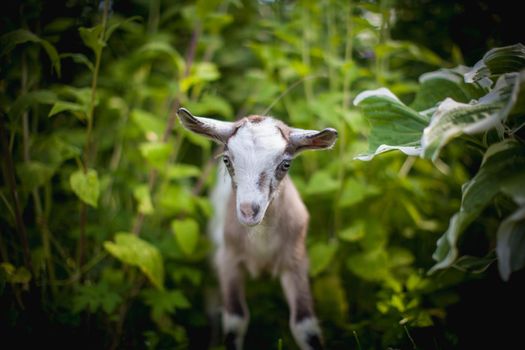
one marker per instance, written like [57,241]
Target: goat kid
[260,222]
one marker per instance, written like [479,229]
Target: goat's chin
[250,222]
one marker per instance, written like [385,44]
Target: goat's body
[275,246]
[260,221]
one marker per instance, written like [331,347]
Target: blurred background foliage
[104,206]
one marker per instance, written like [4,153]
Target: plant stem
[9,176]
[343,129]
[81,248]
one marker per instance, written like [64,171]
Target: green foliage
[89,94]
[481,105]
[135,251]
[86,186]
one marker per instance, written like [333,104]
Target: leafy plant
[482,105]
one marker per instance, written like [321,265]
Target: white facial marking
[256,148]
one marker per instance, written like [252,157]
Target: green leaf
[210,105]
[511,243]
[394,125]
[321,255]
[438,85]
[176,200]
[200,73]
[143,197]
[92,297]
[19,275]
[92,38]
[503,163]
[497,61]
[80,59]
[86,186]
[156,49]
[321,182]
[135,251]
[32,98]
[182,171]
[452,118]
[186,233]
[355,191]
[149,123]
[76,109]
[17,37]
[34,174]
[354,232]
[370,265]
[156,153]
[164,302]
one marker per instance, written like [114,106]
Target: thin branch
[9,176]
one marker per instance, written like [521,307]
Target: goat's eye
[226,161]
[285,165]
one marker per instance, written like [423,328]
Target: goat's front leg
[303,322]
[235,312]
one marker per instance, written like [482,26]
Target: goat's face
[258,153]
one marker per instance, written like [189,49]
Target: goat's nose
[249,210]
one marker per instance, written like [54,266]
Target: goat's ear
[302,140]
[216,130]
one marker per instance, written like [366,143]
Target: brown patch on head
[255,119]
[261,181]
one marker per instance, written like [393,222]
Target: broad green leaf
[76,109]
[452,118]
[149,123]
[53,150]
[370,265]
[156,153]
[92,38]
[200,73]
[354,232]
[355,191]
[211,105]
[394,125]
[17,37]
[158,48]
[186,233]
[34,174]
[503,163]
[86,186]
[143,197]
[181,171]
[321,182]
[176,200]
[511,243]
[165,302]
[321,255]
[79,58]
[29,99]
[497,61]
[438,85]
[135,251]
[114,25]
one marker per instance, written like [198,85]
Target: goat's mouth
[250,222]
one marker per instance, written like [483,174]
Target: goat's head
[258,153]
